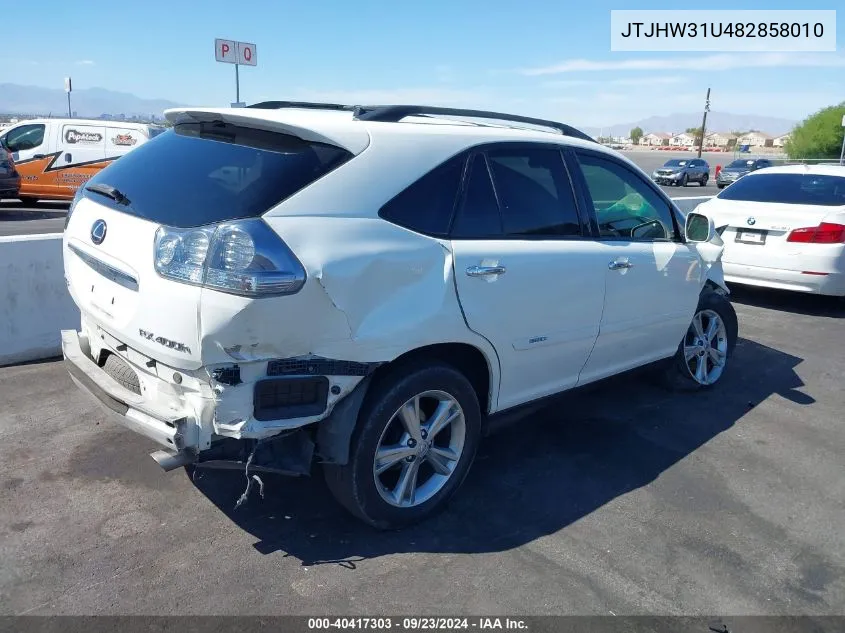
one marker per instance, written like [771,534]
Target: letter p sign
[225,51]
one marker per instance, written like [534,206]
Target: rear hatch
[761,210]
[213,167]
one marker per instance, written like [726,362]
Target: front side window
[25,137]
[625,206]
[534,192]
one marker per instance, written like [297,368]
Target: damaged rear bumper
[169,426]
[203,421]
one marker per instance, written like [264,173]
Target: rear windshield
[811,189]
[202,173]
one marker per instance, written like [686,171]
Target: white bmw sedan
[784,227]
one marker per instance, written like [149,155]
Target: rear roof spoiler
[395,113]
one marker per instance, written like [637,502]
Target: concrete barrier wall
[36,304]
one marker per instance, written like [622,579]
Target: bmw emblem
[98,231]
[751,222]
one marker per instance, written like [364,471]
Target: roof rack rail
[395,113]
[276,105]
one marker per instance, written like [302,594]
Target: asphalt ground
[627,499]
[49,217]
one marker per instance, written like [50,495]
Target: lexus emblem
[98,231]
[751,221]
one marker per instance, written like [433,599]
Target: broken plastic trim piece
[170,461]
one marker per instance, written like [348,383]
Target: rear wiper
[108,191]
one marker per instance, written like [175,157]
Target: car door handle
[483,271]
[617,265]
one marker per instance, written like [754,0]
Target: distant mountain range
[716,122]
[92,102]
[86,102]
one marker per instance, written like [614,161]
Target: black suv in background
[10,179]
[680,171]
[737,169]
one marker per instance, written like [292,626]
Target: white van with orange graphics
[55,156]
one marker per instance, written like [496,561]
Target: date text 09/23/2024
[418,624]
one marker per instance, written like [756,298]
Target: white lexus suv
[370,288]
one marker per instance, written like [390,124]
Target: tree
[819,135]
[636,135]
[695,132]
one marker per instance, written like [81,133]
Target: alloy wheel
[419,449]
[706,347]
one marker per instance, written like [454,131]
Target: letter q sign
[234,52]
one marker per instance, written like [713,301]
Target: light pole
[68,88]
[704,123]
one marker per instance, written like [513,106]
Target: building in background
[654,139]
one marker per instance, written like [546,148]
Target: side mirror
[699,228]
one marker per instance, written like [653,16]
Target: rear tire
[28,201]
[709,343]
[704,180]
[372,489]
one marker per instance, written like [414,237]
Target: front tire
[708,344]
[415,441]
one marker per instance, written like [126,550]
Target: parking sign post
[237,53]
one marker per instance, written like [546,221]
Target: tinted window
[534,192]
[788,189]
[201,173]
[25,137]
[675,163]
[745,164]
[426,206]
[479,214]
[625,206]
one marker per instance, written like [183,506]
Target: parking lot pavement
[625,499]
[44,217]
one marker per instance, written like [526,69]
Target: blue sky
[537,58]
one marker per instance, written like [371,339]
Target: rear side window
[811,189]
[202,173]
[534,192]
[478,216]
[426,206]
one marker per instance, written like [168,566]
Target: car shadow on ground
[786,301]
[530,479]
[14,210]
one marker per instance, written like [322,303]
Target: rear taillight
[244,257]
[824,233]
